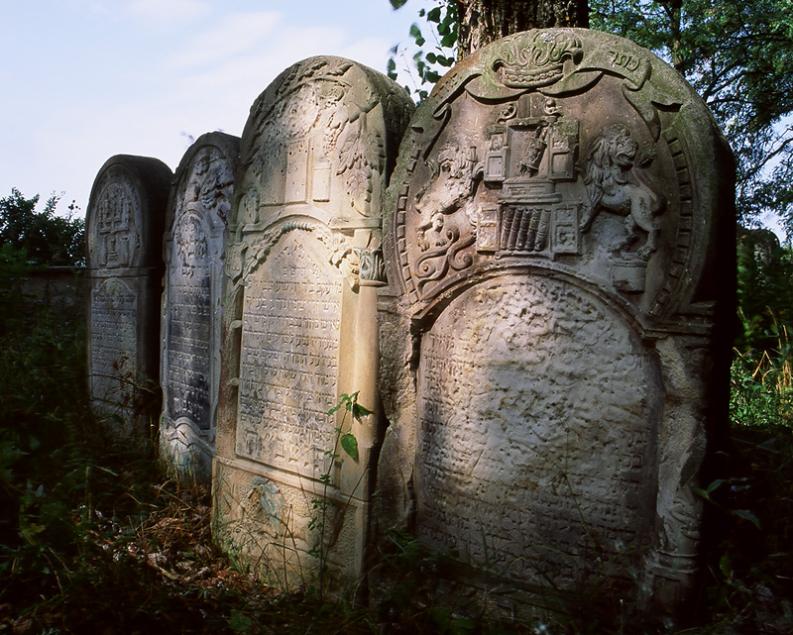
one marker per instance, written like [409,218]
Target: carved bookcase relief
[124,230]
[303,263]
[543,206]
[190,325]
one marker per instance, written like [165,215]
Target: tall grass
[761,393]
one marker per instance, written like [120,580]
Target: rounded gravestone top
[567,152]
[126,211]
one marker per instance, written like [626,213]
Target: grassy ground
[92,540]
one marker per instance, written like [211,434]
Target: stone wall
[64,289]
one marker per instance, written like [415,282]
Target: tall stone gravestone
[124,228]
[559,213]
[300,319]
[200,204]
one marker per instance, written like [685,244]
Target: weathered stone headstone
[124,229]
[200,204]
[300,319]
[559,213]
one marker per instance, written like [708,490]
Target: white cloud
[168,10]
[234,34]
[213,69]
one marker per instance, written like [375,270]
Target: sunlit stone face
[535,433]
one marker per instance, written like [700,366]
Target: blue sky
[85,79]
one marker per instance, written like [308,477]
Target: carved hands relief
[545,150]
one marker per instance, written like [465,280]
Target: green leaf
[432,58]
[350,445]
[747,515]
[701,493]
[725,566]
[449,40]
[714,485]
[359,411]
[415,31]
[397,4]
[434,15]
[333,409]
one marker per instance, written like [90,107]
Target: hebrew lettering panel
[289,359]
[526,387]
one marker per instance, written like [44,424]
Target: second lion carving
[615,183]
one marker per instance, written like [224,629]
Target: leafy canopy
[40,237]
[736,55]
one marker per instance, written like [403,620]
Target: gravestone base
[273,522]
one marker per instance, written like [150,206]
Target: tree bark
[483,21]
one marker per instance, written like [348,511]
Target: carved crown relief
[546,150]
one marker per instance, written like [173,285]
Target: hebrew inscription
[289,359]
[114,341]
[190,365]
[189,320]
[525,384]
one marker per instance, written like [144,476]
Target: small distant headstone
[191,308]
[300,329]
[559,247]
[124,229]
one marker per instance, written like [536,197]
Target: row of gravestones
[529,299]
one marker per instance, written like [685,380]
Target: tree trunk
[483,21]
[674,9]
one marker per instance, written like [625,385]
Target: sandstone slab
[303,261]
[193,244]
[124,234]
[559,248]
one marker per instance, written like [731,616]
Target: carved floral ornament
[511,160]
[242,259]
